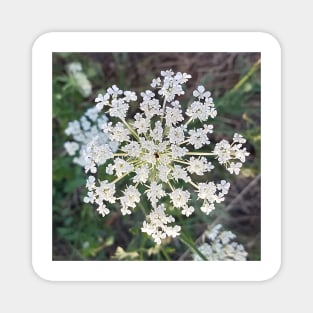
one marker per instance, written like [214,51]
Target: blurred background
[80,233]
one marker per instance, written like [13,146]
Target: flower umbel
[221,246]
[158,153]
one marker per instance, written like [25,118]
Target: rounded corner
[272,39]
[273,272]
[40,40]
[38,271]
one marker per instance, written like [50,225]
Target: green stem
[189,121]
[130,129]
[200,153]
[251,71]
[182,143]
[182,162]
[167,257]
[169,183]
[193,184]
[119,178]
[191,246]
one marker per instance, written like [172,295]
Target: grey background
[21,22]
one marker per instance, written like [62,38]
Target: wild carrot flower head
[159,151]
[220,245]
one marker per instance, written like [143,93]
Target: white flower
[201,93]
[114,91]
[182,78]
[85,123]
[121,167]
[155,152]
[91,146]
[106,191]
[133,149]
[180,173]
[178,152]
[119,133]
[174,115]
[71,147]
[200,110]
[157,225]
[199,137]
[81,81]
[103,210]
[199,166]
[172,86]
[176,134]
[207,208]
[119,108]
[226,152]
[241,154]
[223,151]
[147,95]
[157,133]
[155,192]
[130,96]
[74,67]
[179,197]
[187,210]
[207,191]
[151,108]
[90,184]
[239,138]
[167,73]
[130,198]
[73,128]
[223,186]
[94,115]
[221,247]
[163,172]
[141,124]
[102,100]
[90,166]
[142,174]
[173,231]
[90,198]
[234,168]
[156,82]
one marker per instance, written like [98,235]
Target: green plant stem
[130,129]
[167,257]
[191,246]
[251,71]
[188,121]
[193,184]
[200,153]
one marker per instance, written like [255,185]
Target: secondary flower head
[79,78]
[221,246]
[89,143]
[159,150]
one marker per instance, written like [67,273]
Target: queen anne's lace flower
[157,151]
[82,83]
[221,247]
[90,147]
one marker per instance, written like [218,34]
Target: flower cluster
[81,81]
[89,141]
[221,246]
[159,150]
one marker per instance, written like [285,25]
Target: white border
[42,156]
